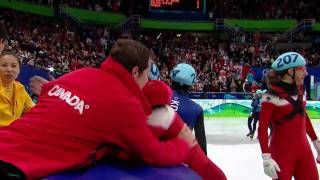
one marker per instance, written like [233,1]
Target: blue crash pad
[127,171]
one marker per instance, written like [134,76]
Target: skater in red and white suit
[166,124]
[284,105]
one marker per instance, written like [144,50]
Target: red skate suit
[289,145]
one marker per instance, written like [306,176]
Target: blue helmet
[184,74]
[154,73]
[259,91]
[288,60]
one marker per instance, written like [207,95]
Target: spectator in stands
[44,43]
[3,34]
[254,87]
[183,77]
[2,45]
[263,9]
[246,87]
[250,77]
[113,5]
[78,114]
[14,99]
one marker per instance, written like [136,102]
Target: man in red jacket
[85,115]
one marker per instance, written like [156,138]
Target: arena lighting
[51,69]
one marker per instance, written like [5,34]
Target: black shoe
[251,136]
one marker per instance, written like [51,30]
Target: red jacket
[290,134]
[80,112]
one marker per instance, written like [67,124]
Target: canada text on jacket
[69,98]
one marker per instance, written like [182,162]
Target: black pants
[252,126]
[10,172]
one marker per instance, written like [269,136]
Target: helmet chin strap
[293,76]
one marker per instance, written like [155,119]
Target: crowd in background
[50,43]
[222,64]
[92,5]
[259,9]
[247,9]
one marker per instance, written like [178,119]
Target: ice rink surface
[238,156]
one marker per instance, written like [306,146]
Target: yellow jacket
[10,111]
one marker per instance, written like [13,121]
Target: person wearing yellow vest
[14,99]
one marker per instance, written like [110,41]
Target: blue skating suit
[192,114]
[254,117]
[256,105]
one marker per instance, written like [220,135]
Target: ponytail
[273,77]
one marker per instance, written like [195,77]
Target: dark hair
[178,87]
[12,53]
[130,53]
[273,77]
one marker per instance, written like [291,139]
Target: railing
[219,95]
[304,25]
[63,12]
[132,23]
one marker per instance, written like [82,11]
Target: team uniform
[165,124]
[192,115]
[75,123]
[289,153]
[254,115]
[289,145]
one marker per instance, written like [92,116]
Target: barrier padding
[127,171]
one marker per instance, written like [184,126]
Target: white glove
[316,144]
[270,166]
